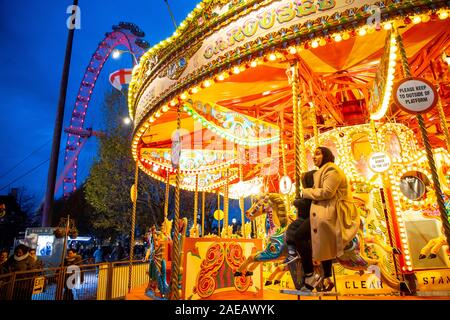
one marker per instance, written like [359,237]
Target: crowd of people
[27,265]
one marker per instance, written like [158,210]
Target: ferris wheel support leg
[68,165]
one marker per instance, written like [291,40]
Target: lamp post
[53,166]
[116,53]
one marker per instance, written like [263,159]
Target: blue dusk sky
[33,36]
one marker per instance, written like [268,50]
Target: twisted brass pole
[225,207]
[166,196]
[176,250]
[314,118]
[443,122]
[218,213]
[203,213]
[195,207]
[241,199]
[299,142]
[314,124]
[283,159]
[133,225]
[429,152]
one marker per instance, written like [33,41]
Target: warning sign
[415,95]
[379,162]
[285,185]
[38,286]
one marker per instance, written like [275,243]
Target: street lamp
[118,52]
[126,121]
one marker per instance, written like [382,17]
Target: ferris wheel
[125,34]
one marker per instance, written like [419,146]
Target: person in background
[38,264]
[3,258]
[98,257]
[118,252]
[72,259]
[19,262]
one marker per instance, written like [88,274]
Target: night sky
[33,36]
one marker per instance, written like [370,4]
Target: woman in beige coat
[333,215]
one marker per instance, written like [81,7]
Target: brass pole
[195,207]
[176,250]
[133,225]
[241,199]
[203,213]
[314,118]
[443,122]
[218,214]
[299,142]
[225,206]
[166,196]
[314,124]
[283,159]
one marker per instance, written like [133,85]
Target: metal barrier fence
[105,281]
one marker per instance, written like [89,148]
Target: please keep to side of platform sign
[415,95]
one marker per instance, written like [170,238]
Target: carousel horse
[274,206]
[355,256]
[157,265]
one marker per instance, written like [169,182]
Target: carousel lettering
[363,284]
[266,20]
[436,280]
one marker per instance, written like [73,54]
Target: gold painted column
[203,213]
[166,197]
[176,250]
[196,233]
[241,199]
[443,122]
[218,214]
[225,206]
[133,224]
[299,141]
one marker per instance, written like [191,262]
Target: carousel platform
[275,294]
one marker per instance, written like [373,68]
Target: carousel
[236,101]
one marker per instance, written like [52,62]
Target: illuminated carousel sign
[263,20]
